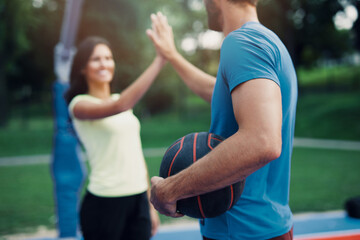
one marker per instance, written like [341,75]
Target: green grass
[26,198]
[34,136]
[26,137]
[160,131]
[329,115]
[334,115]
[344,77]
[323,179]
[320,180]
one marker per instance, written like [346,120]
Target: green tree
[15,22]
[356,26]
[124,24]
[29,31]
[307,28]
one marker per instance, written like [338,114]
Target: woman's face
[101,65]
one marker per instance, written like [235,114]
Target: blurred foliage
[338,78]
[13,44]
[356,26]
[29,31]
[307,28]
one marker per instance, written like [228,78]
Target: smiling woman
[100,67]
[110,134]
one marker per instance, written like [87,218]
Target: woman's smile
[101,65]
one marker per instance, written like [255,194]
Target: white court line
[327,144]
[158,152]
[46,158]
[25,160]
[192,225]
[322,215]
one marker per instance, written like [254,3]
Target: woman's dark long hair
[78,84]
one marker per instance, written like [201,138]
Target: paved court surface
[325,223]
[310,226]
[331,225]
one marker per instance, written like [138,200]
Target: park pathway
[157,152]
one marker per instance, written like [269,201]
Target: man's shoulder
[252,32]
[252,37]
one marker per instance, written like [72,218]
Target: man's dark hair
[252,2]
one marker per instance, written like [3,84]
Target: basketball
[180,155]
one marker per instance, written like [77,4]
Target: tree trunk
[4,109]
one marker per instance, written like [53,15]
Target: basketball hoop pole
[67,168]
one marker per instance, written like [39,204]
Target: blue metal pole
[66,166]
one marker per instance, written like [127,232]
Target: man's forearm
[231,161]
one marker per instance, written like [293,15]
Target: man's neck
[236,15]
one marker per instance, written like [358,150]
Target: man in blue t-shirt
[253,105]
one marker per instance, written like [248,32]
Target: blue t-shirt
[263,211]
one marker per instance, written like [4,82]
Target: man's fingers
[161,22]
[174,215]
[171,214]
[155,179]
[160,26]
[166,28]
[178,215]
[156,23]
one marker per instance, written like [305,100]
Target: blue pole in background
[66,166]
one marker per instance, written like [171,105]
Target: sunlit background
[322,36]
[317,33]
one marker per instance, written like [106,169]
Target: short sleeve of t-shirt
[247,56]
[86,97]
[77,99]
